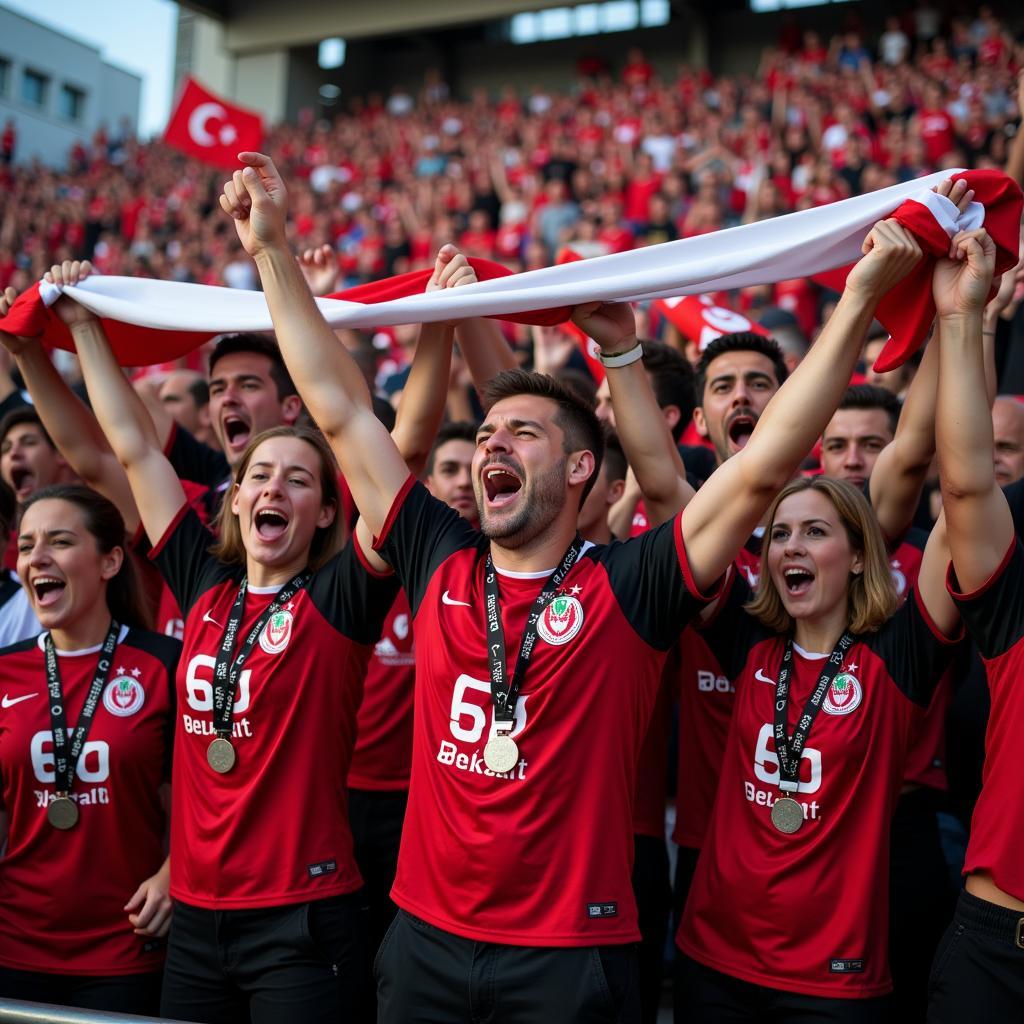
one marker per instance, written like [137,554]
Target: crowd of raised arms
[354,676]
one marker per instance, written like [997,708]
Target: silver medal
[220,755]
[501,753]
[787,815]
[62,813]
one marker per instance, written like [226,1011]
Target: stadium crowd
[281,548]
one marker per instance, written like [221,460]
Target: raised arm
[123,418]
[726,509]
[327,378]
[899,474]
[71,425]
[645,437]
[978,520]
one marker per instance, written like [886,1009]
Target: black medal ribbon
[504,691]
[68,748]
[225,670]
[789,749]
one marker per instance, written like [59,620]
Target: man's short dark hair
[24,414]
[199,389]
[871,396]
[739,341]
[257,344]
[615,464]
[456,430]
[671,379]
[577,420]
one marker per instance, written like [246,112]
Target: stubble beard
[540,503]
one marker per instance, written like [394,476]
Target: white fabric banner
[793,246]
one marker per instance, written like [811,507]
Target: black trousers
[686,864]
[304,962]
[376,819]
[921,902]
[653,903]
[715,998]
[124,993]
[425,974]
[978,973]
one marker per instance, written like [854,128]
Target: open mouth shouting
[48,590]
[501,485]
[798,580]
[738,428]
[23,480]
[270,524]
[237,431]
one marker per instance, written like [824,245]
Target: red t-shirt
[383,750]
[652,766]
[63,893]
[808,912]
[541,855]
[274,830]
[994,615]
[936,134]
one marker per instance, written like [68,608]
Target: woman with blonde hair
[787,916]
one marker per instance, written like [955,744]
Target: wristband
[616,359]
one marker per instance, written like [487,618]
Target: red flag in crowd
[211,129]
[700,320]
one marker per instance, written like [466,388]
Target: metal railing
[14,1011]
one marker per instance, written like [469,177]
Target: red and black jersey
[652,766]
[540,855]
[926,758]
[273,830]
[808,912]
[706,697]
[63,893]
[384,725]
[994,615]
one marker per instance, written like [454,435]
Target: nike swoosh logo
[446,599]
[761,677]
[207,617]
[9,702]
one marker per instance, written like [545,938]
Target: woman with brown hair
[280,622]
[85,738]
[787,913]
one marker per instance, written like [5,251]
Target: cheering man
[539,656]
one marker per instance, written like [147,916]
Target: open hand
[256,198]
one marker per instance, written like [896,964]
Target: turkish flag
[211,129]
[700,320]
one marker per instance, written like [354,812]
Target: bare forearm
[423,399]
[119,410]
[1015,160]
[484,349]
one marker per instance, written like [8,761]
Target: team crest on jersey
[277,632]
[561,620]
[844,695]
[123,696]
[898,579]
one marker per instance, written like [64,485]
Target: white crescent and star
[200,118]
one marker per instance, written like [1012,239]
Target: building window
[588,20]
[72,103]
[33,87]
[5,76]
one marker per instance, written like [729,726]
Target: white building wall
[46,131]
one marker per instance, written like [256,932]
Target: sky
[137,35]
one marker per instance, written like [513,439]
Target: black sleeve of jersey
[731,631]
[914,651]
[351,597]
[1015,499]
[167,650]
[195,461]
[183,557]
[994,613]
[421,532]
[651,581]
